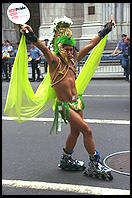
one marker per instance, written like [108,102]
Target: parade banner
[18,13]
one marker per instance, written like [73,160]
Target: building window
[91,10]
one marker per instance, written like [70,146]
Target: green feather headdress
[62,33]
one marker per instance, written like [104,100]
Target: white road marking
[64,187]
[97,95]
[107,96]
[95,121]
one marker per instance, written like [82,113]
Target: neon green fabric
[22,103]
[57,111]
[90,66]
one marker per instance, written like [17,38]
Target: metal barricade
[109,65]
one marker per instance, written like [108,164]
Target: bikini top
[62,69]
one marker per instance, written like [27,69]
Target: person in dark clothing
[125,51]
[36,55]
[45,62]
[7,52]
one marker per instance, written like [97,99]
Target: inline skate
[69,164]
[97,169]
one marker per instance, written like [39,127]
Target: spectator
[120,44]
[4,73]
[125,51]
[36,55]
[8,50]
[15,50]
[5,58]
[46,42]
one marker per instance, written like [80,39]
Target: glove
[31,36]
[106,30]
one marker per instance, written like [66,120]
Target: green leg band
[55,122]
[83,104]
[65,115]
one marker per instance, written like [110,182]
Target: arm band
[104,31]
[31,36]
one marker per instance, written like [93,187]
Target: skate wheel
[97,176]
[107,177]
[85,173]
[59,166]
[104,178]
[71,168]
[81,163]
[88,173]
[110,177]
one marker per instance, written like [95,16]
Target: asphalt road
[30,154]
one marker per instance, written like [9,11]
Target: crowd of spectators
[35,57]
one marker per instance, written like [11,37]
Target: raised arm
[84,51]
[28,32]
[101,34]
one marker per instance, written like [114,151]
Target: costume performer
[64,92]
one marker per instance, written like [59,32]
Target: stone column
[48,12]
[126,19]
[111,10]
[92,22]
[122,19]
[77,16]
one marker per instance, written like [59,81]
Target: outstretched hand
[112,22]
[26,27]
[28,33]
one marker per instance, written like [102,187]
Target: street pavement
[30,154]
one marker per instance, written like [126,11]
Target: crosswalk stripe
[64,187]
[95,121]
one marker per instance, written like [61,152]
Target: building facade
[88,19]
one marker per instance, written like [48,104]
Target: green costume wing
[90,66]
[22,103]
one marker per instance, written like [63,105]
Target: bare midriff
[63,81]
[65,89]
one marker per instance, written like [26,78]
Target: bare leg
[78,125]
[72,139]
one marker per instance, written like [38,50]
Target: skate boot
[97,169]
[69,164]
